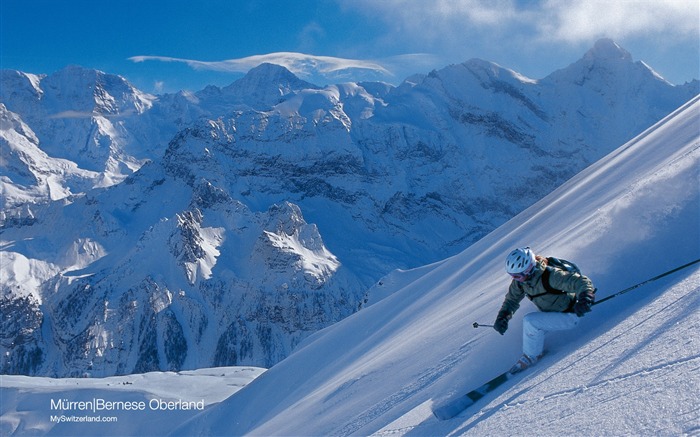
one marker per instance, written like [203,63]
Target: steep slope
[28,173]
[67,133]
[80,115]
[628,217]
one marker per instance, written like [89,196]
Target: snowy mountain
[223,227]
[30,174]
[80,115]
[629,368]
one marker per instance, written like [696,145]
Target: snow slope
[25,402]
[631,367]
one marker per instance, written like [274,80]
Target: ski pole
[644,282]
[479,325]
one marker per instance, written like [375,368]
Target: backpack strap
[545,283]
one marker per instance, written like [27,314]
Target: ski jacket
[572,285]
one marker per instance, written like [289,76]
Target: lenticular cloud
[298,63]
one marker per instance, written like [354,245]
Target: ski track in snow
[428,377]
[671,365]
[638,340]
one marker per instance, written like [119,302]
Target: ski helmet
[520,260]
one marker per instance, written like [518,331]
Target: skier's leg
[535,325]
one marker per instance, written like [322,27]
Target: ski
[456,406]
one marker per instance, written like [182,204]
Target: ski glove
[501,323]
[583,303]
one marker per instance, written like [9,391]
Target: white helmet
[520,260]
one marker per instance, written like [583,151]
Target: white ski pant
[535,325]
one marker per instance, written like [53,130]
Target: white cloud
[579,21]
[435,21]
[80,114]
[573,21]
[298,63]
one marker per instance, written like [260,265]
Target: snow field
[25,402]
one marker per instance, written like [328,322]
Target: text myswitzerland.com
[83,419]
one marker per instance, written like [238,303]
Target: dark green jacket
[572,284]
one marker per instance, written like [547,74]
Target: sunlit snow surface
[26,402]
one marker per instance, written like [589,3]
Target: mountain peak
[606,61]
[607,49]
[83,88]
[272,70]
[267,74]
[267,84]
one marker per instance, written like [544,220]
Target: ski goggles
[524,275]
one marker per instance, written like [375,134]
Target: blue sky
[165,46]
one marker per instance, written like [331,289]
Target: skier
[562,296]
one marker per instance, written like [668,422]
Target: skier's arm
[510,304]
[514,296]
